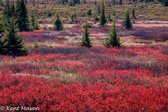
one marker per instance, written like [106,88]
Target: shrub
[113,39]
[36,44]
[13,42]
[58,25]
[89,12]
[85,39]
[127,21]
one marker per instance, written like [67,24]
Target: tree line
[15,18]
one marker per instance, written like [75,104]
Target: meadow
[60,76]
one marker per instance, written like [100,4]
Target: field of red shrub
[131,78]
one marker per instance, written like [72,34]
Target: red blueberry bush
[132,78]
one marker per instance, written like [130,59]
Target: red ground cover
[132,78]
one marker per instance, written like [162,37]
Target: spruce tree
[114,13]
[113,39]
[86,41]
[2,50]
[34,22]
[89,12]
[35,44]
[127,21]
[98,9]
[58,25]
[26,1]
[1,27]
[22,16]
[109,3]
[84,1]
[109,17]
[120,2]
[113,2]
[165,3]
[6,10]
[13,42]
[34,3]
[74,18]
[1,3]
[9,10]
[133,14]
[102,17]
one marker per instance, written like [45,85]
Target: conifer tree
[36,44]
[113,39]
[13,42]
[165,3]
[84,1]
[1,3]
[22,16]
[113,2]
[102,17]
[1,27]
[6,11]
[74,18]
[127,21]
[58,25]
[89,12]
[120,2]
[34,3]
[34,22]
[1,39]
[133,14]
[114,13]
[109,17]
[109,3]
[26,1]
[98,9]
[86,41]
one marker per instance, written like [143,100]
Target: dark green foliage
[73,2]
[13,42]
[26,1]
[36,44]
[142,6]
[133,14]
[1,27]
[165,3]
[89,12]
[109,3]
[1,3]
[114,13]
[22,16]
[85,39]
[95,17]
[2,47]
[127,21]
[8,10]
[58,25]
[114,2]
[1,39]
[120,2]
[84,1]
[102,17]
[74,18]
[98,9]
[34,3]
[113,39]
[34,22]
[109,17]
[95,2]
[49,14]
